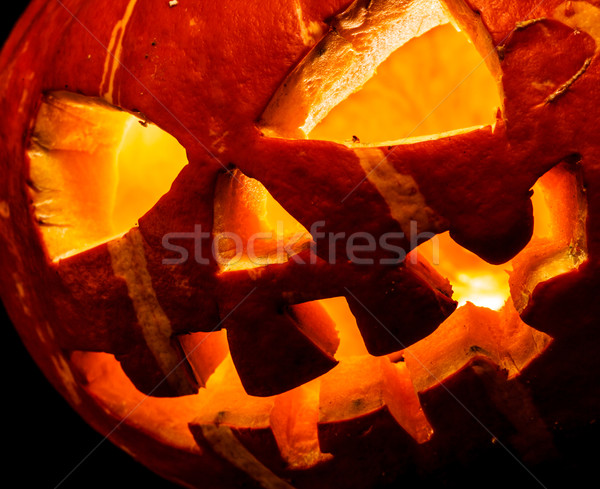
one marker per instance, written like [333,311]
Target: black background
[43,438]
[45,441]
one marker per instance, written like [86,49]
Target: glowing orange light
[95,170]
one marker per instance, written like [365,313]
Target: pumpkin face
[238,291]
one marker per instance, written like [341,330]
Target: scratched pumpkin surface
[278,372]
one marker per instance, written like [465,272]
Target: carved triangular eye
[95,170]
[435,83]
[421,79]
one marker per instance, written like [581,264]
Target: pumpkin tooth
[471,332]
[402,309]
[287,352]
[294,423]
[346,409]
[147,371]
[228,414]
[381,398]
[125,317]
[407,303]
[129,263]
[402,401]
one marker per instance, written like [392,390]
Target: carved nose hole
[251,229]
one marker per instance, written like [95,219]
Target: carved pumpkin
[232,276]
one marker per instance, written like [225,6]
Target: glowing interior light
[351,342]
[77,206]
[95,170]
[435,83]
[473,280]
[484,291]
[148,161]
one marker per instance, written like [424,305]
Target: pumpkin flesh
[280,439]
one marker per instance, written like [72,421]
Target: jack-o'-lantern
[243,280]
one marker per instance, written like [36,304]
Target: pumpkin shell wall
[59,54]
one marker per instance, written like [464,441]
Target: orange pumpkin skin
[487,209]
